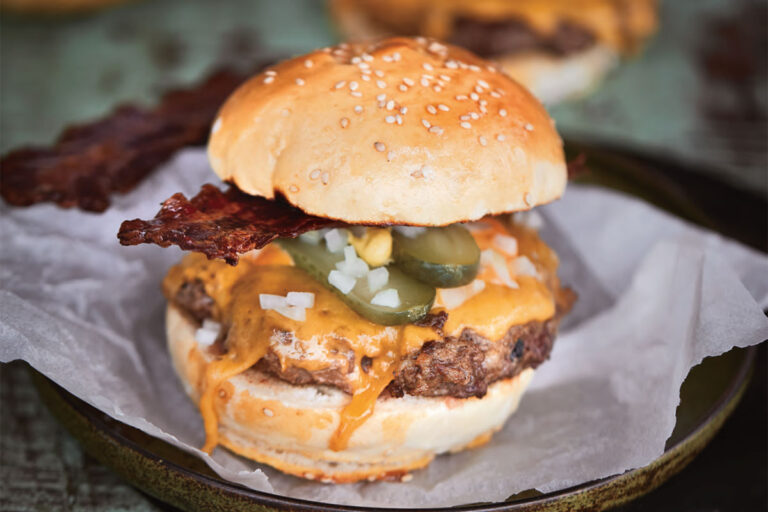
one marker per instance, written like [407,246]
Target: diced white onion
[388,298]
[207,334]
[455,297]
[301,299]
[410,231]
[267,301]
[499,265]
[531,219]
[377,279]
[293,312]
[313,237]
[505,243]
[336,240]
[352,265]
[524,267]
[342,281]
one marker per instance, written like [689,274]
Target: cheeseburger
[556,48]
[361,299]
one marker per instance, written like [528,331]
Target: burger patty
[494,38]
[460,367]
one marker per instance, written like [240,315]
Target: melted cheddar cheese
[621,24]
[332,329]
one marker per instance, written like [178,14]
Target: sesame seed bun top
[403,131]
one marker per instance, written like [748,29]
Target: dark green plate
[708,396]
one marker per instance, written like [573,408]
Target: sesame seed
[445,77]
[474,115]
[390,104]
[472,67]
[500,92]
[478,89]
[483,83]
[462,97]
[367,57]
[483,141]
[387,58]
[431,109]
[363,66]
[308,63]
[426,123]
[356,94]
[389,119]
[437,88]
[315,174]
[379,73]
[216,125]
[355,60]
[451,64]
[340,84]
[466,125]
[344,122]
[403,87]
[365,78]
[404,110]
[427,76]
[270,72]
[325,177]
[269,79]
[483,109]
[382,104]
[381,84]
[436,47]
[268,412]
[465,117]
[398,119]
[436,129]
[443,107]
[407,81]
[528,199]
[299,81]
[495,94]
[364,69]
[381,97]
[500,137]
[358,109]
[474,96]
[529,127]
[424,82]
[503,112]
[390,156]
[353,86]
[380,146]
[396,56]
[483,102]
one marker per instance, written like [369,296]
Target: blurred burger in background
[559,49]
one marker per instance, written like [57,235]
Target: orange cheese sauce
[332,329]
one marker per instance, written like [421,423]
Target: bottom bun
[289,427]
[553,79]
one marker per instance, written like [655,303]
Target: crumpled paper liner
[656,296]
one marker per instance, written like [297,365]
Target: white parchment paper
[656,297]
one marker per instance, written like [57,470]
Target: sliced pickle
[442,257]
[416,298]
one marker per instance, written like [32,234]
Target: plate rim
[705,428]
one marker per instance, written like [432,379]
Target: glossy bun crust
[289,427]
[403,131]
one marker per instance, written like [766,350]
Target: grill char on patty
[459,367]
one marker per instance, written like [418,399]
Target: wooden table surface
[698,94]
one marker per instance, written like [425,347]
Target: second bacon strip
[221,224]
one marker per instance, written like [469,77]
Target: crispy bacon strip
[220,224]
[91,161]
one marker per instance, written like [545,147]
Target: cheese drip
[332,331]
